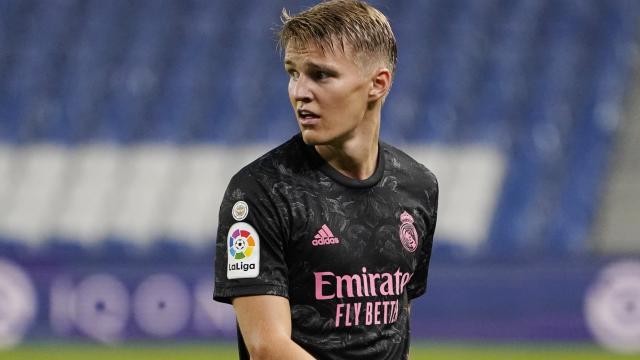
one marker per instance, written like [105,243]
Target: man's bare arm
[265,323]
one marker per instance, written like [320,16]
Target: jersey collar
[338,177]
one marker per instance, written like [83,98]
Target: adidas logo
[324,237]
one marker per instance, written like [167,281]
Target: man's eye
[293,74]
[321,75]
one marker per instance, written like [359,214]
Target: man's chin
[316,138]
[311,138]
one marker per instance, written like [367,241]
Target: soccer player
[324,241]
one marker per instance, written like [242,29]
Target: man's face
[328,92]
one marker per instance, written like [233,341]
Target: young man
[324,241]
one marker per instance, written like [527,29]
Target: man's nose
[301,91]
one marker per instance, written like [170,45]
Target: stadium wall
[116,303]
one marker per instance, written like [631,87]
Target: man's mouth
[307,115]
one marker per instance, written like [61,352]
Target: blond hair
[351,23]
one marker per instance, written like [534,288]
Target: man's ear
[380,84]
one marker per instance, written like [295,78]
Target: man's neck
[355,157]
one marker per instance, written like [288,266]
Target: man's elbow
[269,347]
[261,351]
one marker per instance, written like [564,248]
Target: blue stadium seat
[541,81]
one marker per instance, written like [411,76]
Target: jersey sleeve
[418,283]
[250,243]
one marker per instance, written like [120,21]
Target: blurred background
[122,121]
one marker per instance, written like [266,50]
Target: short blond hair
[342,22]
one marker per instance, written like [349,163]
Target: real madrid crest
[408,233]
[240,210]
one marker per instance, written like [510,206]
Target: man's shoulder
[403,161]
[281,161]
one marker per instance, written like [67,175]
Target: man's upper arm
[265,323]
[250,246]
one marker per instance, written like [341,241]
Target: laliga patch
[243,252]
[240,210]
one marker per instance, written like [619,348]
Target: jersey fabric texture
[348,254]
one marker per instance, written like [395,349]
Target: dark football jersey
[348,254]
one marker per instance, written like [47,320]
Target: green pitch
[200,351]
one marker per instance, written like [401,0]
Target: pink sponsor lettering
[329,286]
[320,283]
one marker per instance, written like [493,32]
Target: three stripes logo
[324,237]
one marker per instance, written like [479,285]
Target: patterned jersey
[348,254]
